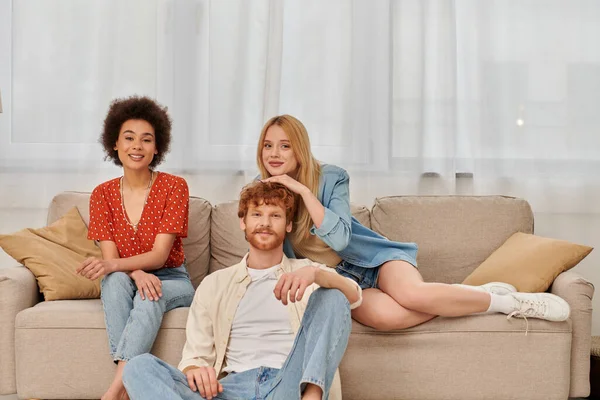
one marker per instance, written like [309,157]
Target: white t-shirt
[261,334]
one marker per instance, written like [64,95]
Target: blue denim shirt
[353,242]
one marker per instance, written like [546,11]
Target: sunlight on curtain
[406,94]
[528,83]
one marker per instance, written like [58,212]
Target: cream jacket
[213,309]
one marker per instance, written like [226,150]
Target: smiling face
[265,226]
[278,157]
[136,144]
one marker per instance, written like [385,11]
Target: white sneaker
[540,305]
[492,287]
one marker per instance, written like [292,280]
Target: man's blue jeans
[317,351]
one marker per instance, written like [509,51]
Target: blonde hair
[309,169]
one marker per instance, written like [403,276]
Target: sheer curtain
[503,94]
[239,63]
[531,74]
[222,67]
[411,96]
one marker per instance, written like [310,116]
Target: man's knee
[328,299]
[137,365]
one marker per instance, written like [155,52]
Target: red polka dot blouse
[166,211]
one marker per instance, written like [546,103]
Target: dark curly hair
[270,193]
[136,107]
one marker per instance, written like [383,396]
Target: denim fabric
[365,277]
[132,323]
[319,346]
[317,351]
[353,242]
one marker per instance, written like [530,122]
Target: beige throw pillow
[53,253]
[528,262]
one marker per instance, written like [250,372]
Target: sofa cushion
[196,246]
[466,358]
[488,348]
[53,253]
[46,334]
[362,214]
[528,262]
[455,234]
[227,241]
[81,314]
[18,291]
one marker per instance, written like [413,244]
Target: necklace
[135,226]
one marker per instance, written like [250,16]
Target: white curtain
[222,67]
[403,93]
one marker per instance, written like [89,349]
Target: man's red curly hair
[270,193]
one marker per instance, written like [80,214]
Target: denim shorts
[365,277]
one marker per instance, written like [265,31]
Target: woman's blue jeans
[132,323]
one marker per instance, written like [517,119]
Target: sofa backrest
[455,234]
[196,245]
[227,241]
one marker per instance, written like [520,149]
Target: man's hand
[204,380]
[294,284]
[147,284]
[93,268]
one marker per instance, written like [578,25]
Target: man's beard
[274,241]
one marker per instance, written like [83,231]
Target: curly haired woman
[139,220]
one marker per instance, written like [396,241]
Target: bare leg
[380,311]
[404,283]
[312,392]
[117,391]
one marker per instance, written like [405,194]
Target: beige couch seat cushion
[82,314]
[459,358]
[492,323]
[63,344]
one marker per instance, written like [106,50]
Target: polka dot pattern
[166,211]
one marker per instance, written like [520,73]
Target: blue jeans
[132,323]
[317,351]
[365,277]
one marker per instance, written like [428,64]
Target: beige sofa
[58,349]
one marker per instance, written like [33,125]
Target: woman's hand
[290,183]
[147,284]
[93,268]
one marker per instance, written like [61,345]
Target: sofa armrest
[578,292]
[18,291]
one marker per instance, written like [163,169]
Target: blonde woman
[394,293]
